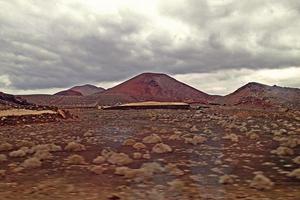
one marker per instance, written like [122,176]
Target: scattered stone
[261,182]
[146,171]
[43,155]
[89,133]
[3,158]
[161,148]
[119,159]
[175,137]
[194,129]
[174,170]
[233,137]
[295,173]
[32,163]
[253,136]
[17,169]
[107,153]
[5,146]
[62,113]
[46,147]
[2,173]
[151,139]
[129,142]
[97,169]
[76,160]
[197,139]
[73,146]
[17,153]
[99,160]
[297,160]
[283,151]
[139,146]
[147,156]
[226,179]
[177,185]
[291,142]
[137,155]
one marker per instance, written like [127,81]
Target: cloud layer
[57,44]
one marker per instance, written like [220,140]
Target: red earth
[87,89]
[158,87]
[68,93]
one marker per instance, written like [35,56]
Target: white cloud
[95,41]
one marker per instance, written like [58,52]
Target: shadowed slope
[260,95]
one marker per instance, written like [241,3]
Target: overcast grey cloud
[60,43]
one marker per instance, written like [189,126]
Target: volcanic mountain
[158,87]
[81,90]
[87,89]
[259,95]
[68,93]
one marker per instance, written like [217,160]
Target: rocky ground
[215,153]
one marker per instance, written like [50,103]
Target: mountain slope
[87,89]
[158,87]
[68,93]
[260,95]
[81,90]
[7,100]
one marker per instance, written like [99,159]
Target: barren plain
[212,153]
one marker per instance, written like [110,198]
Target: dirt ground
[214,153]
[20,112]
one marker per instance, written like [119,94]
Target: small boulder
[261,182]
[97,169]
[129,142]
[226,179]
[139,146]
[99,160]
[151,139]
[76,160]
[161,148]
[3,158]
[295,173]
[74,146]
[5,146]
[17,153]
[119,159]
[31,163]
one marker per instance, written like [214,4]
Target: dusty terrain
[21,112]
[214,153]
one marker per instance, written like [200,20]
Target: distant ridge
[81,90]
[87,89]
[260,95]
[68,93]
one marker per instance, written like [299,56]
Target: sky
[215,46]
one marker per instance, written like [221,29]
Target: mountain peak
[152,74]
[254,84]
[69,92]
[81,90]
[260,95]
[85,86]
[158,87]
